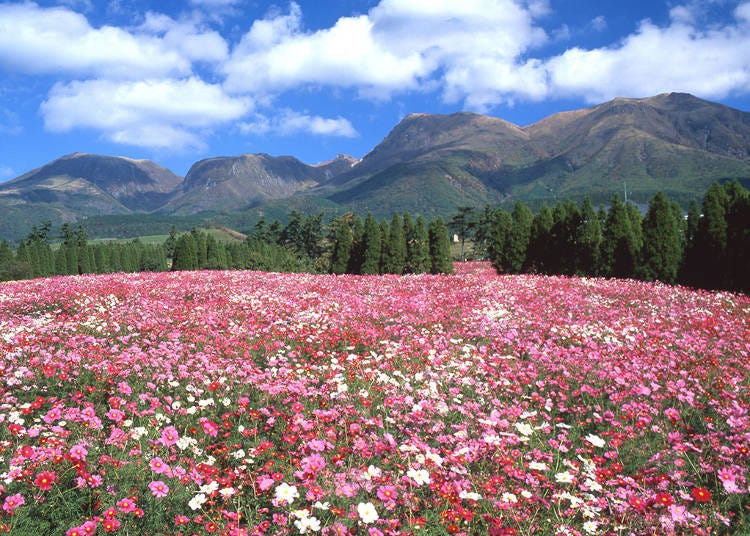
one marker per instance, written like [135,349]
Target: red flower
[701,494]
[664,499]
[45,480]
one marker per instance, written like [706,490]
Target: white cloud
[287,122]
[680,57]
[149,113]
[399,45]
[56,40]
[742,12]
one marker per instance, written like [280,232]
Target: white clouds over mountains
[169,82]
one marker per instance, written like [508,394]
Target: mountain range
[428,164]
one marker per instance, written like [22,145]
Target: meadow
[228,402]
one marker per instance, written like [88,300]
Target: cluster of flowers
[247,403]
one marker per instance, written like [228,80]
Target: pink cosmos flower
[158,488]
[126,505]
[313,463]
[387,493]
[169,436]
[209,427]
[78,452]
[158,466]
[12,502]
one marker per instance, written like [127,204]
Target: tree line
[345,244]
[709,247]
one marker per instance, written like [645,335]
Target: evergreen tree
[312,236]
[371,246]
[85,262]
[171,241]
[636,224]
[418,248]
[6,259]
[216,255]
[385,234]
[619,249]
[358,246]
[563,254]
[662,248]
[293,234]
[538,259]
[440,247]
[519,237]
[201,246]
[483,232]
[101,259]
[737,255]
[688,272]
[463,222]
[588,240]
[341,240]
[711,239]
[396,250]
[499,252]
[185,253]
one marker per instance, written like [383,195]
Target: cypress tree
[518,239]
[312,236]
[737,253]
[588,240]
[185,253]
[422,245]
[483,230]
[371,245]
[201,246]
[463,222]
[385,233]
[690,269]
[341,239]
[439,247]
[619,249]
[396,250]
[499,251]
[216,256]
[538,253]
[662,249]
[171,241]
[358,246]
[711,239]
[6,258]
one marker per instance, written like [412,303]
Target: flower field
[252,403]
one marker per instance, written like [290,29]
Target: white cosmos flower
[595,440]
[285,492]
[420,476]
[367,512]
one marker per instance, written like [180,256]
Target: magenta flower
[78,452]
[12,502]
[158,466]
[158,488]
[169,436]
[209,427]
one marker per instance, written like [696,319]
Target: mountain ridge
[428,163]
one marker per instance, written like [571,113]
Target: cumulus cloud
[57,40]
[287,122]
[161,113]
[400,45]
[678,57]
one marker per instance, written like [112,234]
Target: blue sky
[179,81]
